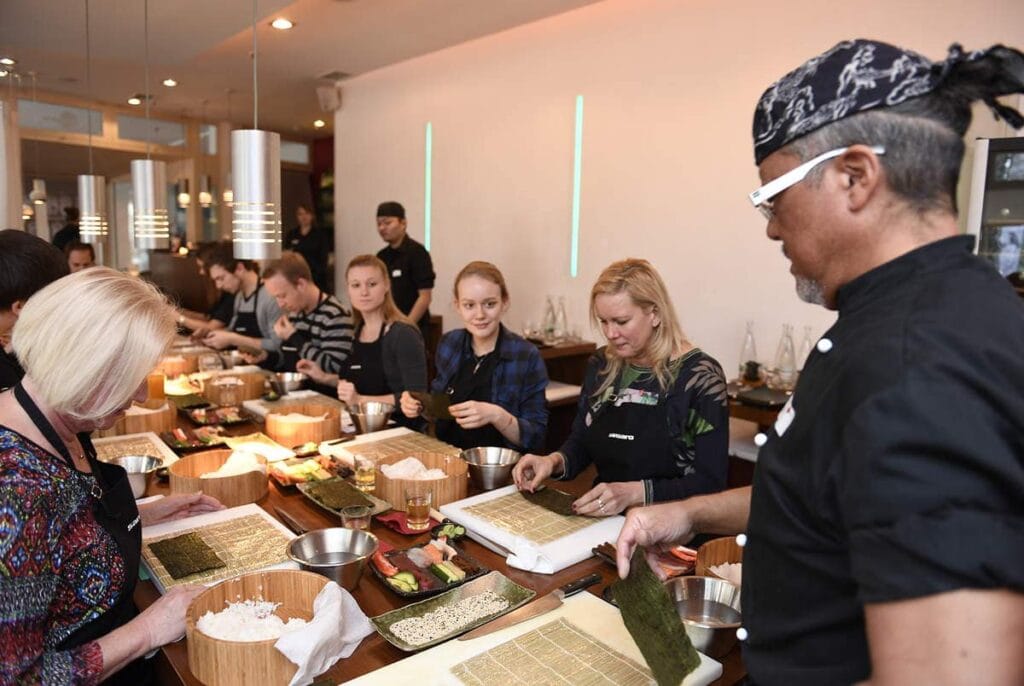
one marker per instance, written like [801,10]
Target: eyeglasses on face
[762,197]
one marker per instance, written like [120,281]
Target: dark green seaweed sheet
[653,622]
[337,494]
[184,555]
[435,405]
[551,499]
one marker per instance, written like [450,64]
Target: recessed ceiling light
[7,61]
[135,100]
[170,83]
[282,24]
[319,123]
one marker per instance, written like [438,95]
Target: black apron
[364,366]
[621,440]
[246,323]
[473,381]
[114,509]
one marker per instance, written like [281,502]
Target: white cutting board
[179,525]
[585,610]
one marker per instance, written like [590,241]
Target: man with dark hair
[316,327]
[69,233]
[222,310]
[27,264]
[885,528]
[254,311]
[80,256]
[409,265]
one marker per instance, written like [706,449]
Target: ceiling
[206,45]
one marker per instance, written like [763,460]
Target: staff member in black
[885,523]
[409,265]
[652,415]
[387,355]
[69,557]
[313,243]
[254,311]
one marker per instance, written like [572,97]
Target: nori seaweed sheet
[337,494]
[653,622]
[551,499]
[435,405]
[186,554]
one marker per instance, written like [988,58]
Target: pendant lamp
[184,199]
[149,182]
[256,176]
[92,189]
[38,193]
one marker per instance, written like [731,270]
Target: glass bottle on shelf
[548,325]
[785,361]
[749,368]
[805,347]
[561,320]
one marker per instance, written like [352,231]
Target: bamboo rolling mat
[403,445]
[518,516]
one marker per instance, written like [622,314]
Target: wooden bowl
[287,432]
[232,491]
[715,552]
[444,490]
[251,387]
[175,365]
[217,662]
[164,419]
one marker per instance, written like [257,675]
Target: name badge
[621,437]
[396,272]
[356,366]
[785,418]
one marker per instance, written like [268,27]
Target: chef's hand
[473,414]
[199,334]
[219,339]
[314,371]
[347,393]
[654,528]
[254,359]
[411,407]
[605,500]
[163,622]
[178,507]
[284,328]
[531,470]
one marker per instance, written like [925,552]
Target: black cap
[391,209]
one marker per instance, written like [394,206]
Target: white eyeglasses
[762,197]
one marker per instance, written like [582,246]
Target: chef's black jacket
[411,270]
[900,472]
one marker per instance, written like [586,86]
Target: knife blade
[290,521]
[533,609]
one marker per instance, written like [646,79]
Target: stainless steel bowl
[710,610]
[490,468]
[140,470]
[339,554]
[372,416]
[291,381]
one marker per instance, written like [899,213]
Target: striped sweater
[323,336]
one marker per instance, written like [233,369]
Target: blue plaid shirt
[518,384]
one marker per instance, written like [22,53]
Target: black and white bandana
[852,77]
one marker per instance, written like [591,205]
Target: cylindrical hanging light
[256,208]
[92,204]
[184,199]
[149,194]
[205,196]
[38,194]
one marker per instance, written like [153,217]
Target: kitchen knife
[538,607]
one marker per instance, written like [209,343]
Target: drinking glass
[155,395]
[417,507]
[209,362]
[356,517]
[366,473]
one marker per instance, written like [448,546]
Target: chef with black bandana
[884,528]
[71,532]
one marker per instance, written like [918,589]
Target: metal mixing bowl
[140,470]
[371,416]
[490,468]
[339,554]
[710,610]
[291,381]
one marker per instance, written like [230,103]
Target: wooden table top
[374,599]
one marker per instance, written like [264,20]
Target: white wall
[669,89]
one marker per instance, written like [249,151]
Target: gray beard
[810,291]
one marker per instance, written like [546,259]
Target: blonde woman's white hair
[88,340]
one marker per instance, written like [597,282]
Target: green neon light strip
[429,154]
[577,167]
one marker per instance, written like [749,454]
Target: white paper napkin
[336,630]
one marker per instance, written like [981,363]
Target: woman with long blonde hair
[653,415]
[388,356]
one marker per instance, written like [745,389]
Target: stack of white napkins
[336,630]
[411,469]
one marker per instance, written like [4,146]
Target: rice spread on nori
[186,554]
[653,622]
[337,494]
[551,499]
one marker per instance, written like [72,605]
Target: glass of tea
[155,395]
[366,473]
[417,507]
[356,517]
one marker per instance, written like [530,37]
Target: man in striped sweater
[315,325]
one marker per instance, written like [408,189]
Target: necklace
[480,359]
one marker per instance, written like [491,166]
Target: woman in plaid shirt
[494,378]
